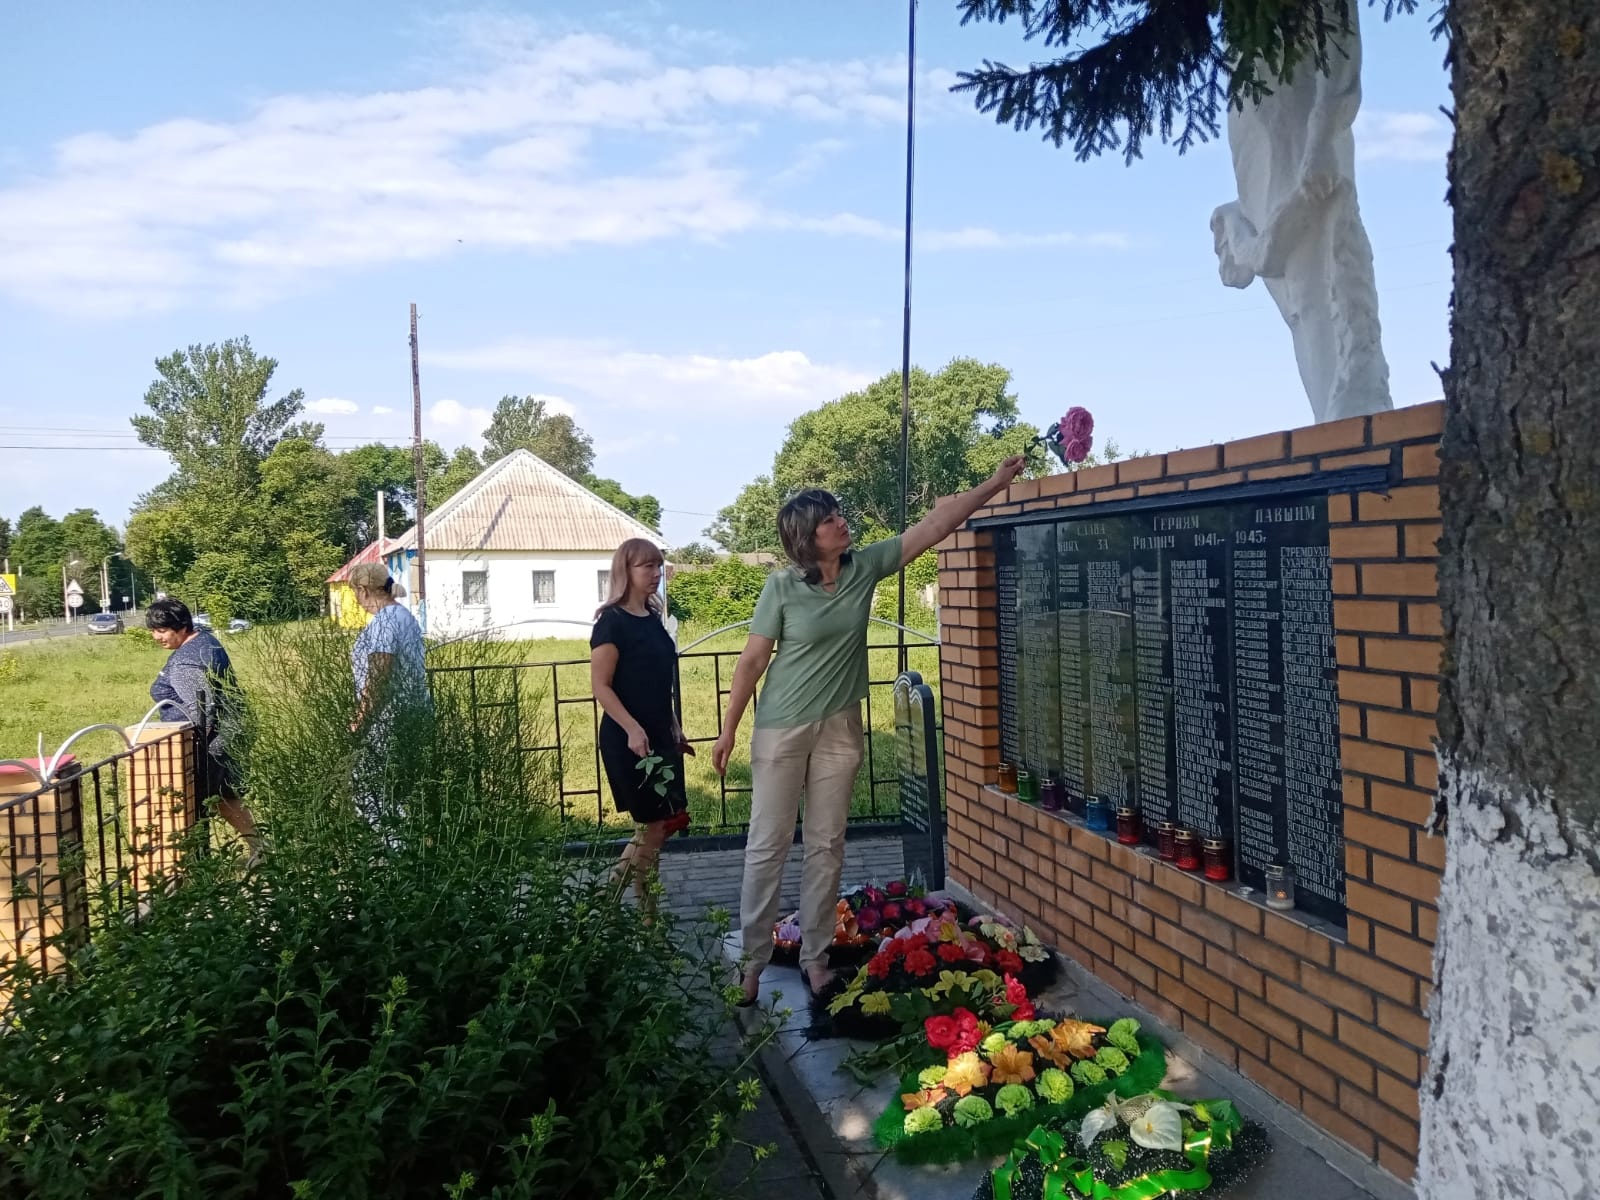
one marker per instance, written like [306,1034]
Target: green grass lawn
[55,687]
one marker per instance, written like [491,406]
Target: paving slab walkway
[831,1115]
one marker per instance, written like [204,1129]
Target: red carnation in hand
[941,1032]
[1018,995]
[897,888]
[951,953]
[1009,962]
[920,962]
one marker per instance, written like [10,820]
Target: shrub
[439,1006]
[138,635]
[719,595]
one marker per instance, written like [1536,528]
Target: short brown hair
[797,528]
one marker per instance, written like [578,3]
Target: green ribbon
[1063,1168]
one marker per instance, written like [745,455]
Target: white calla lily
[1160,1127]
[1096,1123]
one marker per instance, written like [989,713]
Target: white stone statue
[1297,228]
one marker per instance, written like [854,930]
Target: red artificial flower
[966,1020]
[941,1032]
[1008,962]
[878,968]
[1018,995]
[967,1032]
[916,908]
[920,962]
[951,953]
[897,888]
[869,919]
[891,911]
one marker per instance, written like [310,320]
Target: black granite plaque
[921,802]
[1197,597]
[1072,641]
[1152,553]
[1005,578]
[1038,665]
[1109,657]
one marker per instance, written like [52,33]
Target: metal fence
[85,842]
[548,711]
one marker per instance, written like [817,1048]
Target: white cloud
[514,151]
[454,417]
[783,382]
[382,410]
[332,406]
[1402,137]
[972,237]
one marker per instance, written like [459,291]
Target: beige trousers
[821,759]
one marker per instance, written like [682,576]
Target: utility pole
[381,538]
[416,462]
[905,337]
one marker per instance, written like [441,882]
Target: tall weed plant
[432,1004]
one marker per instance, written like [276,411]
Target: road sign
[74,601]
[5,604]
[8,585]
[73,589]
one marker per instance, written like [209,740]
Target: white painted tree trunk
[1511,1105]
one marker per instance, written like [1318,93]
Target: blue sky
[680,219]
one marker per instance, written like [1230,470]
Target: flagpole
[905,337]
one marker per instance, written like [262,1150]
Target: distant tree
[449,476]
[5,538]
[693,554]
[523,423]
[750,524]
[646,509]
[38,547]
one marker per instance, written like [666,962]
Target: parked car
[104,623]
[238,625]
[202,620]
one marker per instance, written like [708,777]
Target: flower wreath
[863,916]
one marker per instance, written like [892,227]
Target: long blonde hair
[635,552]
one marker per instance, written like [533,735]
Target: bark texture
[1508,1108]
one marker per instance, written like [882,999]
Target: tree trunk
[1509,1103]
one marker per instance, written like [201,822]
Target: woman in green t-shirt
[808,735]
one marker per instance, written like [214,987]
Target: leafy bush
[719,595]
[138,635]
[438,1006]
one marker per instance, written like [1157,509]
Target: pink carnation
[1076,424]
[1075,450]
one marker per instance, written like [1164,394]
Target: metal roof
[368,554]
[521,502]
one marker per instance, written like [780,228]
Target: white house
[522,551]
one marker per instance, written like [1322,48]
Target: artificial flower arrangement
[865,915]
[987,1085]
[934,965]
[1132,1148]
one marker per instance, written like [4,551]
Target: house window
[475,588]
[544,587]
[604,580]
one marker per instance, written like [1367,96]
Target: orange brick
[1405,424]
[1420,462]
[1410,805]
[1399,1095]
[1305,944]
[1411,656]
[1389,837]
[1163,904]
[1399,986]
[1419,502]
[1424,620]
[1209,927]
[1339,1061]
[1134,967]
[1160,956]
[1241,1033]
[1366,758]
[1423,695]
[1158,1004]
[1273,960]
[1372,458]
[1384,908]
[1161,489]
[1398,1163]
[1312,1014]
[1368,616]
[1399,579]
[1353,1133]
[1350,720]
[1180,940]
[1355,790]
[1417,883]
[1403,729]
[1430,851]
[1193,1003]
[1276,1082]
[1214,481]
[1347,650]
[1214,1044]
[1364,541]
[1425,771]
[1342,993]
[1364,688]
[1093,478]
[1335,435]
[1339,508]
[1023,489]
[1358,933]
[1137,470]
[1063,483]
[1405,1021]
[1266,448]
[1241,913]
[1355,861]
[1280,471]
[1422,541]
[1268,1019]
[1170,879]
[1236,971]
[1378,1117]
[1344,579]
[1193,462]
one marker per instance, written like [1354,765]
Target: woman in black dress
[631,659]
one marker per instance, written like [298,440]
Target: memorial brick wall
[1243,639]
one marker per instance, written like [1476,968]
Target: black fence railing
[87,842]
[548,712]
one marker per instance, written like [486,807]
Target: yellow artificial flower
[926,1098]
[1012,1064]
[876,1004]
[965,1072]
